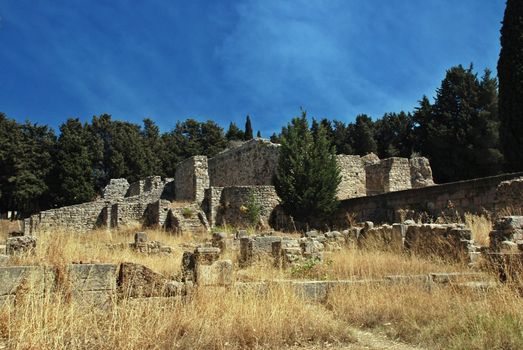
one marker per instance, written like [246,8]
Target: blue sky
[222,60]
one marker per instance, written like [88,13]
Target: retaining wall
[472,196]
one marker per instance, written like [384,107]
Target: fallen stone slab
[135,280]
[35,278]
[92,277]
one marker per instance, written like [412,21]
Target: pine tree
[248,129]
[74,182]
[459,131]
[308,176]
[364,142]
[234,133]
[152,148]
[510,74]
[258,134]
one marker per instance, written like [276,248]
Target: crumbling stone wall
[509,195]
[127,213]
[212,204]
[191,179]
[253,163]
[391,174]
[353,177]
[232,207]
[420,172]
[116,189]
[110,213]
[77,218]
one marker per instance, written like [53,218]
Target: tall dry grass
[480,226]
[209,319]
[61,247]
[440,318]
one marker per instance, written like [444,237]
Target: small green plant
[187,212]
[252,210]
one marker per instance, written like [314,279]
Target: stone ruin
[212,192]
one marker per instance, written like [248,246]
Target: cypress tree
[510,74]
[248,129]
[308,176]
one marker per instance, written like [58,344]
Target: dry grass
[215,318]
[210,319]
[480,225]
[442,318]
[7,226]
[61,247]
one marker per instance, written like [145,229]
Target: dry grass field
[441,317]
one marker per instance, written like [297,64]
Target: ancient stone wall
[420,172]
[233,205]
[111,213]
[509,196]
[116,189]
[388,175]
[191,179]
[127,213]
[253,163]
[353,177]
[464,196]
[212,204]
[75,218]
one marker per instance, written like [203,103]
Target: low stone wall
[472,196]
[191,179]
[127,213]
[78,218]
[253,163]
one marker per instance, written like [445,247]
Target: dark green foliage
[394,136]
[510,74]
[308,176]
[364,141]
[459,132]
[275,138]
[234,133]
[73,168]
[153,148]
[258,134]
[26,162]
[248,129]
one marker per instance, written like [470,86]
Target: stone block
[509,223]
[37,278]
[135,280]
[21,245]
[219,273]
[4,259]
[140,237]
[93,277]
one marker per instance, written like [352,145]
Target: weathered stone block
[219,273]
[93,277]
[21,245]
[36,278]
[136,280]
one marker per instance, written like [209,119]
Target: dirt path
[366,341]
